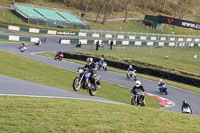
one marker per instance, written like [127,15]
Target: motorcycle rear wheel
[93,91]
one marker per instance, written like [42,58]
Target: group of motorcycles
[23,46]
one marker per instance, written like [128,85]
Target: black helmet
[184,102]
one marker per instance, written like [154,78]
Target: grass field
[27,69]
[33,115]
[168,82]
[178,58]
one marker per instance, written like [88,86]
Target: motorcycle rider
[161,84]
[59,52]
[137,88]
[186,105]
[130,68]
[22,45]
[91,66]
[101,61]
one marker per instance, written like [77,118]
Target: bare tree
[100,9]
[67,2]
[86,7]
[127,7]
[107,10]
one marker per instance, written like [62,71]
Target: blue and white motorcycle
[162,88]
[83,80]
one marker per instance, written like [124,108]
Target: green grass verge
[27,69]
[168,82]
[180,60]
[137,26]
[22,114]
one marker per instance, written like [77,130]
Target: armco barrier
[146,71]
[129,42]
[182,39]
[21,38]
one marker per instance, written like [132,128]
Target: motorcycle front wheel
[76,85]
[133,101]
[127,76]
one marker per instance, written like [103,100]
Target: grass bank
[31,70]
[22,114]
[168,82]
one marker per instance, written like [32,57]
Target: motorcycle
[138,99]
[23,48]
[163,89]
[83,81]
[59,56]
[101,45]
[38,43]
[78,45]
[131,74]
[187,110]
[104,66]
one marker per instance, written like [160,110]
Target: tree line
[173,8]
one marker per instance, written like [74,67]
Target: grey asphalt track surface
[175,94]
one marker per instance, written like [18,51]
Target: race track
[20,87]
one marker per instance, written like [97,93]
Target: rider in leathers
[137,88]
[130,68]
[91,66]
[186,105]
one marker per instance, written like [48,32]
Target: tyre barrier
[146,71]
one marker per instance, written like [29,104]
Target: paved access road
[175,94]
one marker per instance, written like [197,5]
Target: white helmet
[89,61]
[161,81]
[130,66]
[137,83]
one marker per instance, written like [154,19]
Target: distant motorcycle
[101,45]
[131,74]
[58,56]
[104,66]
[23,48]
[138,99]
[78,45]
[163,89]
[83,81]
[187,110]
[38,43]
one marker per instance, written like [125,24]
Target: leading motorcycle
[83,80]
[131,74]
[138,99]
